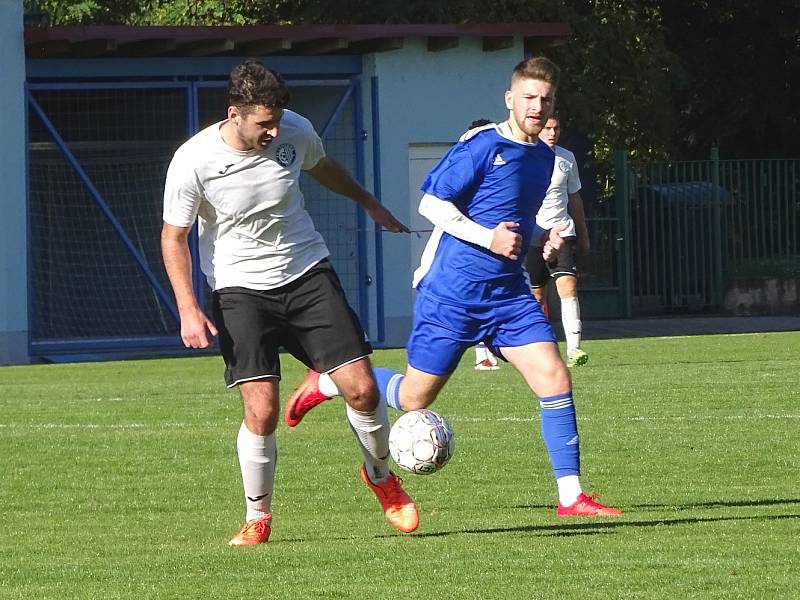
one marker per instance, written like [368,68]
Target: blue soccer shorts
[441,333]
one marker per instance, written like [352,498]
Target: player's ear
[509,100]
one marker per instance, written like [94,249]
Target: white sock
[491,357]
[481,353]
[372,432]
[257,456]
[326,385]
[569,488]
[571,320]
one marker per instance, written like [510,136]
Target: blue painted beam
[183,68]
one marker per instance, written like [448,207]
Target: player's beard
[529,127]
[532,125]
[264,142]
[253,142]
[258,142]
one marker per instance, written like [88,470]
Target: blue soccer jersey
[491,179]
[469,294]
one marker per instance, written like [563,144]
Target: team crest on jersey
[285,154]
[564,166]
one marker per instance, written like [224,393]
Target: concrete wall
[762,296]
[426,98]
[13,225]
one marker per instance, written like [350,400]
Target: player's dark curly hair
[254,84]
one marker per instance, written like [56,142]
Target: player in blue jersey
[483,197]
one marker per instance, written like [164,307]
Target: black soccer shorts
[309,317]
[564,264]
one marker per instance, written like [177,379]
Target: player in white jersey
[562,206]
[483,197]
[272,283]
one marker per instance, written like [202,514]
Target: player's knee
[260,408]
[261,422]
[554,375]
[559,376]
[363,396]
[567,285]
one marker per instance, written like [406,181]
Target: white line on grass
[180,425]
[633,418]
[107,426]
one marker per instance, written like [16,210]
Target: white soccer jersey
[253,227]
[565,181]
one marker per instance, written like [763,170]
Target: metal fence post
[717,227]
[623,208]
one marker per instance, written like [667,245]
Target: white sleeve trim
[446,216]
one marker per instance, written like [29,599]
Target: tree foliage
[741,90]
[656,78]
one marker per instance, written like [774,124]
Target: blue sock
[389,386]
[560,433]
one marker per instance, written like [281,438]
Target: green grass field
[120,480]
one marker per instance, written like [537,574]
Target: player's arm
[336,178]
[575,210]
[195,325]
[502,240]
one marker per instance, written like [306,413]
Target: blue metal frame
[289,81]
[79,347]
[198,279]
[109,85]
[376,185]
[361,217]
[170,68]
[104,208]
[86,347]
[323,133]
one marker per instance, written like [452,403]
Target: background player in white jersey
[483,197]
[562,206]
[272,283]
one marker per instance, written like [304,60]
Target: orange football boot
[398,507]
[586,506]
[255,531]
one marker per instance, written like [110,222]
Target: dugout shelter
[96,113]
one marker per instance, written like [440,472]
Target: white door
[421,159]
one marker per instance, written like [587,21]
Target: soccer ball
[421,441]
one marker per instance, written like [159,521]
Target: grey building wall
[13,225]
[426,99]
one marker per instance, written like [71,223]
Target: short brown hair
[252,84]
[537,67]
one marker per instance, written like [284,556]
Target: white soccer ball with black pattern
[421,441]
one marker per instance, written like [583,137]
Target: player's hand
[386,219]
[195,329]
[553,243]
[505,241]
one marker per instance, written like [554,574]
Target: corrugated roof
[259,40]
